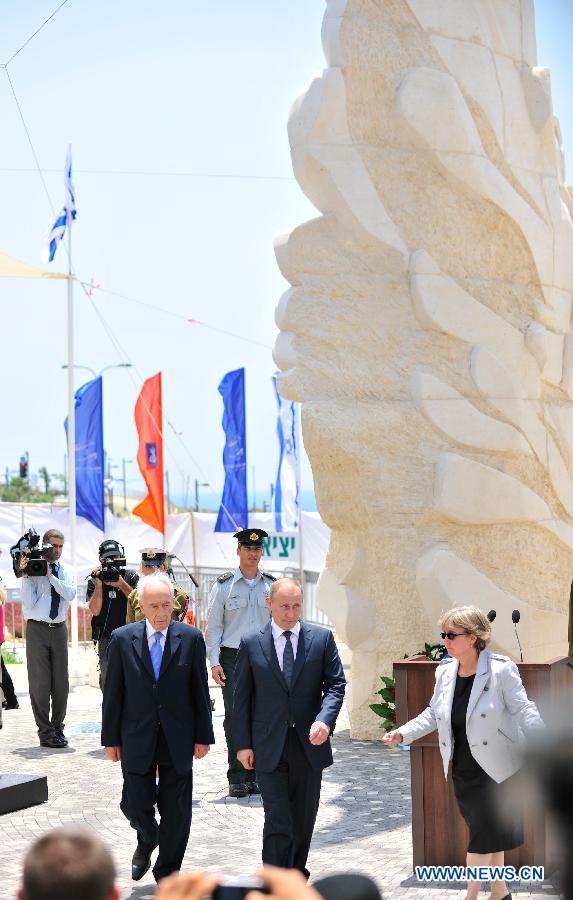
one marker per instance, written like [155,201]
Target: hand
[284,884]
[392,738]
[201,750]
[319,733]
[218,675]
[247,758]
[96,571]
[113,753]
[191,886]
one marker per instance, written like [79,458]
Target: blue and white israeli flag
[286,500]
[66,214]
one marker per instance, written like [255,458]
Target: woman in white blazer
[481,711]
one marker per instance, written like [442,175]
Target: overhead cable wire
[176,315]
[162,173]
[30,142]
[37,31]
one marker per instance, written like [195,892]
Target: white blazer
[498,715]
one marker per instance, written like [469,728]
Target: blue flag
[89,452]
[234,510]
[286,500]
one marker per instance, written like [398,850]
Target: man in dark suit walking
[289,687]
[157,713]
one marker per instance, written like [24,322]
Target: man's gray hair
[282,582]
[155,580]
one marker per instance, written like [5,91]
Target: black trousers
[173,796]
[7,684]
[291,795]
[102,645]
[47,661]
[236,772]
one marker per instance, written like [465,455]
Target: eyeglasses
[451,635]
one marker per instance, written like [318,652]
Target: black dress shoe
[60,734]
[141,861]
[55,742]
[13,705]
[253,787]
[238,790]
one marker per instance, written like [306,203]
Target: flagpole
[299,497]
[72,441]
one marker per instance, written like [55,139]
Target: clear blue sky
[161,102]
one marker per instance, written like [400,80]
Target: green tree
[19,491]
[43,473]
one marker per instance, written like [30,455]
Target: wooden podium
[439,834]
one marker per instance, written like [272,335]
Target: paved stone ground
[363,822]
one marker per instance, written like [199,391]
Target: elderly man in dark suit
[157,714]
[289,687]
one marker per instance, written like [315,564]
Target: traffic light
[23,467]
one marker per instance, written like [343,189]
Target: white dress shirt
[36,594]
[151,632]
[280,640]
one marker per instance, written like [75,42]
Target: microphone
[515,617]
[491,615]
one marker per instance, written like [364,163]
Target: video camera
[113,563]
[112,570]
[27,557]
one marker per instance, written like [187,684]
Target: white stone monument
[427,331]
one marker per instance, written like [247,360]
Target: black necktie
[288,658]
[55,604]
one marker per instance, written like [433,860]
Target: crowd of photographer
[47,591]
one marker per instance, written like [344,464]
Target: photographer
[45,602]
[107,591]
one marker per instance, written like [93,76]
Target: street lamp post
[124,463]
[197,486]
[105,368]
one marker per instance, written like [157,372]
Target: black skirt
[479,797]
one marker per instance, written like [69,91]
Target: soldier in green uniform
[153,560]
[237,604]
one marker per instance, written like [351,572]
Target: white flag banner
[286,500]
[66,215]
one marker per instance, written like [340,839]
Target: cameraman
[45,602]
[107,599]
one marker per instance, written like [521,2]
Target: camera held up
[112,570]
[29,557]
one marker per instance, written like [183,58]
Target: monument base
[21,791]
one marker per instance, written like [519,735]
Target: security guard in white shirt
[237,604]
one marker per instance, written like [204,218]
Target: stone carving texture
[427,330]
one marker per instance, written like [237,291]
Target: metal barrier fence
[16,624]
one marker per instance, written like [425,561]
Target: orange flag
[149,422]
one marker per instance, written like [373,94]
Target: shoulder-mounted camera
[29,557]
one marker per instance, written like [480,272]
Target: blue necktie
[55,604]
[156,653]
[288,658]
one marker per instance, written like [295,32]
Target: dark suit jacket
[135,705]
[264,705]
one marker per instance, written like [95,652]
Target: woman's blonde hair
[470,619]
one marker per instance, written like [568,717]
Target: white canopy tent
[10,267]
[189,535]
